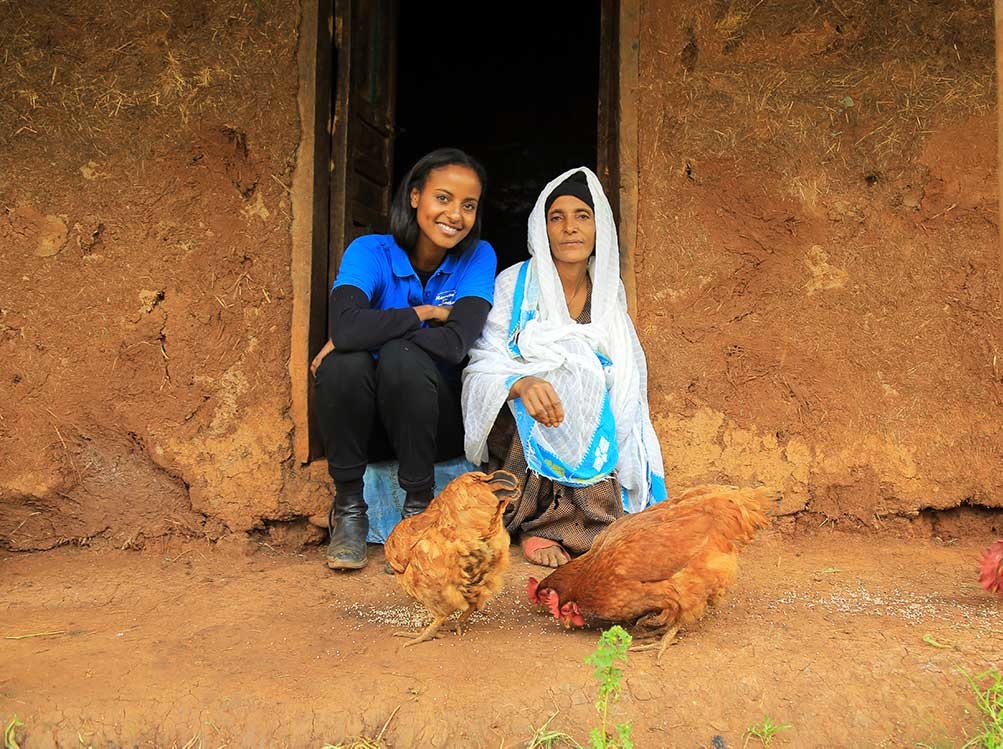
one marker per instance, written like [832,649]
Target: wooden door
[358,72]
[363,122]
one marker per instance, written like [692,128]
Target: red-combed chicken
[991,568]
[452,556]
[660,568]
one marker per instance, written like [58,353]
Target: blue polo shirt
[380,267]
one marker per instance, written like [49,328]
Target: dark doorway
[537,94]
[522,99]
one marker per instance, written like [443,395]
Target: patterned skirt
[572,516]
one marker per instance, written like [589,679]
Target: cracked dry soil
[855,641]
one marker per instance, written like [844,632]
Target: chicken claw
[667,639]
[460,625]
[431,632]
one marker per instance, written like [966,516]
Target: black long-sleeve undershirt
[451,340]
[355,326]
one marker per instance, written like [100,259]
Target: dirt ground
[245,645]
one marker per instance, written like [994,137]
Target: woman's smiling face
[446,207]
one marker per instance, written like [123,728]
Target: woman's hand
[540,400]
[327,349]
[428,312]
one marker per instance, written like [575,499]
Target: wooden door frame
[619,45]
[311,192]
[319,185]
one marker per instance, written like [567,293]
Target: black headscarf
[577,185]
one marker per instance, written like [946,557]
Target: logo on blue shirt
[445,298]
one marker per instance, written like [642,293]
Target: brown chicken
[991,568]
[660,568]
[452,556]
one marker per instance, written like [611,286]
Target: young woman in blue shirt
[404,310]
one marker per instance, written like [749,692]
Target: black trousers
[396,406]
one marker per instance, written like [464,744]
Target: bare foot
[544,551]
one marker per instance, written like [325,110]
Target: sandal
[531,545]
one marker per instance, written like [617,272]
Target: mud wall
[146,154]
[817,267]
[816,272]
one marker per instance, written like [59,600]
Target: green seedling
[765,731]
[606,660]
[990,704]
[545,737]
[9,737]
[611,651]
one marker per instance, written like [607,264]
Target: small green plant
[990,704]
[606,659]
[9,737]
[545,737]
[765,731]
[611,651]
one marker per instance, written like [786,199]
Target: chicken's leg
[667,639]
[460,625]
[429,633]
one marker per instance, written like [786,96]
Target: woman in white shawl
[560,350]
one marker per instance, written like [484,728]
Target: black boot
[348,525]
[416,501]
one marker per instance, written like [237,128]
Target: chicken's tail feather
[503,484]
[991,568]
[740,512]
[751,511]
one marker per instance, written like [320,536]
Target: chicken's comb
[991,568]
[532,585]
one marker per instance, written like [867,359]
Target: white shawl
[598,369]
